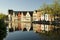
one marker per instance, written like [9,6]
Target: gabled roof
[24,12]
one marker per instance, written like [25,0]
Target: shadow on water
[3,31]
[51,35]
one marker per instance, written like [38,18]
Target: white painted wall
[42,17]
[28,17]
[9,17]
[46,17]
[13,17]
[34,16]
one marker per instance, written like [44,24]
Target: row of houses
[17,17]
[29,16]
[41,15]
[22,16]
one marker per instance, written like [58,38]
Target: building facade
[16,17]
[40,15]
[34,16]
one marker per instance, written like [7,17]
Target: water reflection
[19,26]
[42,27]
[28,26]
[45,32]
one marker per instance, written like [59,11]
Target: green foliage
[53,9]
[56,8]
[2,27]
[2,16]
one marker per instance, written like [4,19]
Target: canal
[28,31]
[20,35]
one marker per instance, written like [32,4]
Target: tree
[53,9]
[2,27]
[56,9]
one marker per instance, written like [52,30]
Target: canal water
[28,31]
[20,35]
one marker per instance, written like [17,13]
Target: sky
[21,5]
